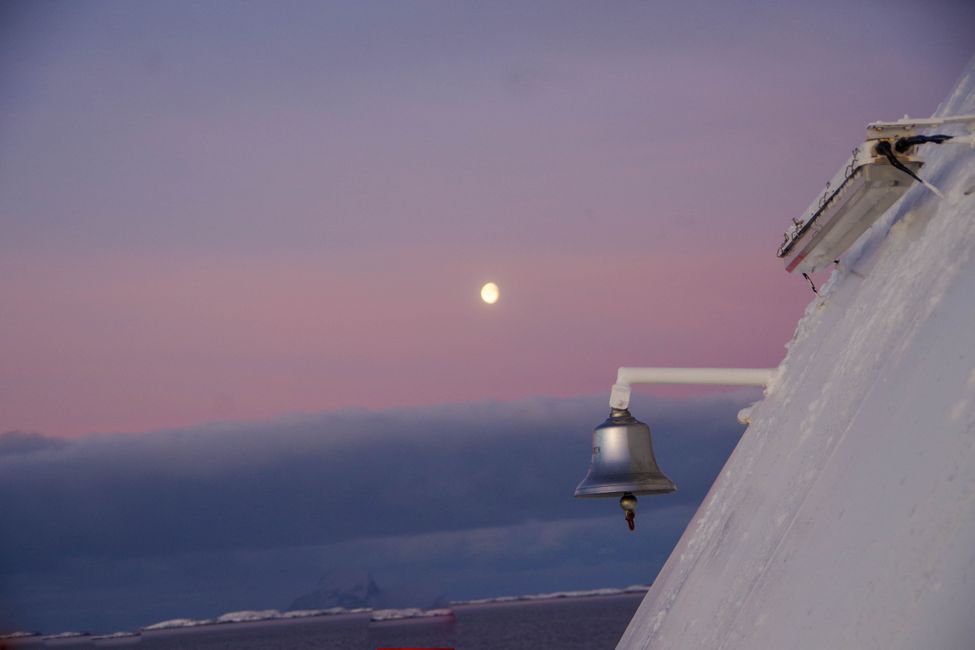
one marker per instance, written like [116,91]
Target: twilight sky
[279,215]
[236,210]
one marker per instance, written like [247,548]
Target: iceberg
[411,614]
[248,615]
[177,623]
[556,595]
[309,613]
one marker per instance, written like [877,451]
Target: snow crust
[555,595]
[331,611]
[177,623]
[248,616]
[845,518]
[381,615]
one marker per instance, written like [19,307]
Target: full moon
[490,293]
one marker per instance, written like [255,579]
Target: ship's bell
[623,461]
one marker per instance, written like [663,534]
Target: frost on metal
[845,518]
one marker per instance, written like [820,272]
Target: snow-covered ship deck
[845,518]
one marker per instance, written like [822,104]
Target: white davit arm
[908,125]
[619,398]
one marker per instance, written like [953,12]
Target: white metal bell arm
[619,398]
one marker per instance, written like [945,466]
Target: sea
[591,623]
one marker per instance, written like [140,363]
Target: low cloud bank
[304,493]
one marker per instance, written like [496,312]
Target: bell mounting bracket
[619,397]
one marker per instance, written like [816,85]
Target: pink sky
[234,213]
[139,343]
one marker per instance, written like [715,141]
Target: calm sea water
[576,624]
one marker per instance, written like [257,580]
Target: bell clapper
[628,503]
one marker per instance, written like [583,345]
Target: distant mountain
[342,588]
[354,588]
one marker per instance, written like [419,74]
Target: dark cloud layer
[143,520]
[23,442]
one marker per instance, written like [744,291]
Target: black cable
[903,144]
[811,285]
[884,149]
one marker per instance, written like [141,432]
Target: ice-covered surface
[65,635]
[176,623]
[845,518]
[308,613]
[381,615]
[249,615]
[555,595]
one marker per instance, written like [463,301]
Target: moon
[490,293]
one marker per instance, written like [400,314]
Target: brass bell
[623,461]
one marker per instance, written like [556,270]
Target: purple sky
[217,211]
